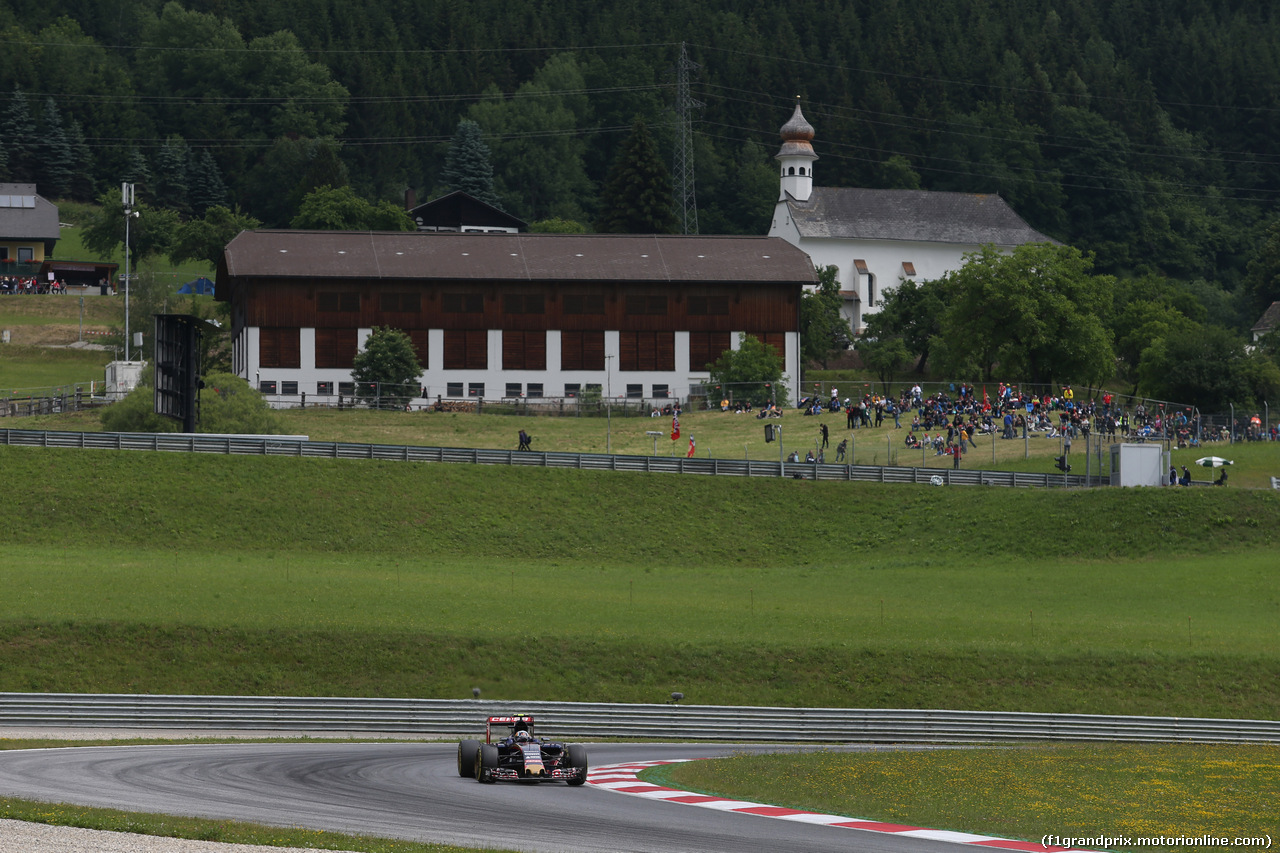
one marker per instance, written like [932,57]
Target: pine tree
[19,131]
[169,187]
[637,197]
[138,173]
[467,166]
[206,188]
[82,186]
[57,166]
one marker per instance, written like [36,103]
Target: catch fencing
[281,446]
[447,718]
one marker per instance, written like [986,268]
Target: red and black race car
[520,755]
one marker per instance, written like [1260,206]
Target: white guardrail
[283,446]
[577,721]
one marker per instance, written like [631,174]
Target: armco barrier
[281,446]
[569,720]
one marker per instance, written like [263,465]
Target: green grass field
[1026,792]
[752,592]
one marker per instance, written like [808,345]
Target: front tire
[486,763]
[577,759]
[467,750]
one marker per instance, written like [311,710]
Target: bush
[136,413]
[227,405]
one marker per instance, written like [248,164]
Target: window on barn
[336,348]
[579,303]
[524,350]
[280,347]
[347,302]
[582,350]
[462,303]
[466,349]
[523,303]
[400,303]
[646,351]
[706,347]
[637,304]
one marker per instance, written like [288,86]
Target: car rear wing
[514,721]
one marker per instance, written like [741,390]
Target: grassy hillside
[143,572]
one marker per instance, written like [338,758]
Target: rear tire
[486,763]
[577,758]
[467,750]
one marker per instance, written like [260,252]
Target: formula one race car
[520,756]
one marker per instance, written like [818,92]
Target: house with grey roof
[507,315]
[879,238]
[28,229]
[1267,323]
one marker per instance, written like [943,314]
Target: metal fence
[281,446]
[570,720]
[56,402]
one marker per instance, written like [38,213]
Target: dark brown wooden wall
[327,304]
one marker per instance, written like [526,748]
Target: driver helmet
[522,735]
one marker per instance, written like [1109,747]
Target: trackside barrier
[253,446]
[570,720]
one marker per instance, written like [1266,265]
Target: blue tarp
[200,285]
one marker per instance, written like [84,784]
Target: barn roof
[512,257]
[911,215]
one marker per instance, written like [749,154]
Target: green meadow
[139,572]
[1081,791]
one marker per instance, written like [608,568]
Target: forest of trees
[1144,132]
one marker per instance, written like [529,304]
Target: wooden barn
[508,315]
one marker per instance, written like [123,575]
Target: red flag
[689,455]
[675,427]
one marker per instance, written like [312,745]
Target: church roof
[911,215]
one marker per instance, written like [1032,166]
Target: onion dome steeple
[796,157]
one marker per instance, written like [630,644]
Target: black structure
[177,360]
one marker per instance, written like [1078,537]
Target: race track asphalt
[413,791]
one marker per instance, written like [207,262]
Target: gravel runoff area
[18,836]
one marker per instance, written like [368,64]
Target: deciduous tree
[823,328]
[386,371]
[1036,313]
[753,371]
[205,239]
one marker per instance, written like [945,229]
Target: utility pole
[127,200]
[686,202]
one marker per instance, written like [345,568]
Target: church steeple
[796,156]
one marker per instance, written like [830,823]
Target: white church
[879,238]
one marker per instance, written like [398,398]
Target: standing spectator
[826,436]
[840,450]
